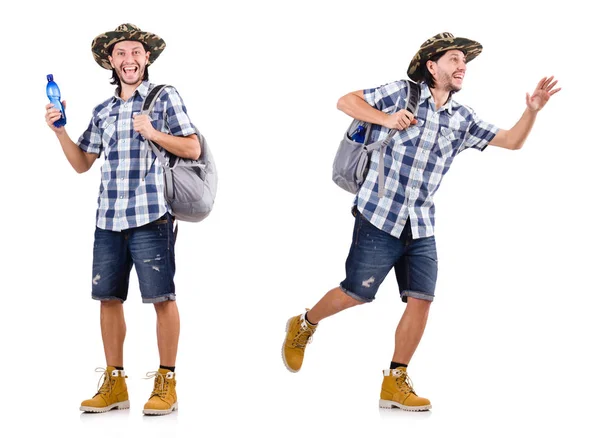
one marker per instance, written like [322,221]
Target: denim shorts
[151,248]
[374,253]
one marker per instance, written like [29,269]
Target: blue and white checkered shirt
[416,159]
[132,184]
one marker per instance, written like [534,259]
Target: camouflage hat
[442,42]
[125,32]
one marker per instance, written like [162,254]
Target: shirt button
[121,196]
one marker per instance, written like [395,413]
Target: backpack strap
[413,94]
[147,106]
[151,98]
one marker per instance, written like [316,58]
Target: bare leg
[167,331]
[112,324]
[332,302]
[410,329]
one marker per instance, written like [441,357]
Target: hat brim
[470,48]
[104,42]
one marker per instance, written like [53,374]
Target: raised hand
[52,115]
[541,94]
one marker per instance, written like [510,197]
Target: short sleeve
[386,97]
[178,122]
[479,133]
[91,140]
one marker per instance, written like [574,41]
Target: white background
[510,346]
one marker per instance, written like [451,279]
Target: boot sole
[161,411]
[287,328]
[119,405]
[388,404]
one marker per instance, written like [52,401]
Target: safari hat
[125,32]
[441,42]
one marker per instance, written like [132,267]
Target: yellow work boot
[163,399]
[397,391]
[112,393]
[298,335]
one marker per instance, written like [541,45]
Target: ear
[430,66]
[110,60]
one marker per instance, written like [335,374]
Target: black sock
[308,320]
[172,369]
[119,368]
[395,365]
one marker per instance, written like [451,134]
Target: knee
[418,305]
[111,304]
[164,306]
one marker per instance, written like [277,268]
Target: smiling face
[449,70]
[129,60]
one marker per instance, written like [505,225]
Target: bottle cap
[50,77]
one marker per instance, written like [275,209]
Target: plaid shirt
[132,184]
[416,159]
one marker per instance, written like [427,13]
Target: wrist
[385,120]
[154,134]
[531,111]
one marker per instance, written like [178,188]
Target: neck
[440,96]
[127,90]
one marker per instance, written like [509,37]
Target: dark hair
[114,80]
[427,78]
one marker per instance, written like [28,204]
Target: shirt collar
[426,94]
[143,89]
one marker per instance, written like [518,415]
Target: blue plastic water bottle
[53,93]
[359,135]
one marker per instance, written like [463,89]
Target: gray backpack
[351,162]
[190,185]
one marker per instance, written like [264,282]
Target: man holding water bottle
[134,225]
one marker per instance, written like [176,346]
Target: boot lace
[303,336]
[403,381]
[107,385]
[161,384]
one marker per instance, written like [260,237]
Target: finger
[550,79]
[554,91]
[541,83]
[413,122]
[64,103]
[551,86]
[527,98]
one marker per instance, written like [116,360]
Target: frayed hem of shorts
[170,297]
[414,294]
[355,296]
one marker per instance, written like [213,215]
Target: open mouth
[130,70]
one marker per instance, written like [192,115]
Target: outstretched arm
[515,137]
